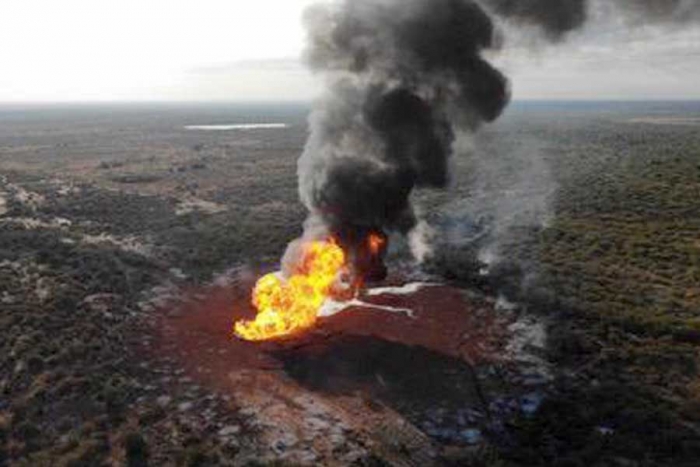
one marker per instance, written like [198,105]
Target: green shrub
[136,450]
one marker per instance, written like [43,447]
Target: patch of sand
[192,205]
[3,204]
[33,223]
[130,243]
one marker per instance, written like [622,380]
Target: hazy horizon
[79,51]
[310,102]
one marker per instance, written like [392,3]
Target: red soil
[199,333]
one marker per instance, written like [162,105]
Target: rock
[20,367]
[229,430]
[285,442]
[102,303]
[185,406]
[317,424]
[163,401]
[308,457]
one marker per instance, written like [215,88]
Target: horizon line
[309,102]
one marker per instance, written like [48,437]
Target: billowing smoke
[402,75]
[556,18]
[404,80]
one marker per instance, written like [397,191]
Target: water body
[238,127]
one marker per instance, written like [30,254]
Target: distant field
[667,120]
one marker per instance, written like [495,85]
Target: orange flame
[288,305]
[376,243]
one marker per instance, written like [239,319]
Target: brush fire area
[367,382]
[336,369]
[411,271]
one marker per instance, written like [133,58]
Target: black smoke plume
[402,75]
[403,79]
[556,18]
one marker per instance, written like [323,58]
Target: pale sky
[104,50]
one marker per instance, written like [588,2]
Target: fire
[376,243]
[288,305]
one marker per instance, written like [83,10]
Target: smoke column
[404,79]
[402,76]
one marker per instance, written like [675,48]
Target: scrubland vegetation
[121,206]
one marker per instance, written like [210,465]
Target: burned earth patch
[439,394]
[396,386]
